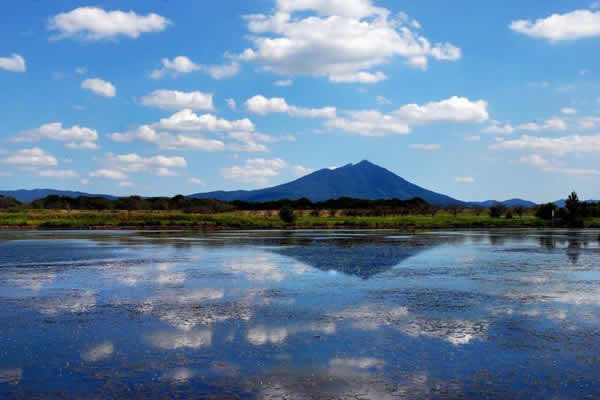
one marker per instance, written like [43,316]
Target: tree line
[573,214]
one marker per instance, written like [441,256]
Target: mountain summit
[364,180]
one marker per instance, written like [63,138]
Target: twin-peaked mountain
[364,180]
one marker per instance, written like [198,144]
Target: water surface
[300,315]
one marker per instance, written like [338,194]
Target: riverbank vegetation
[179,212]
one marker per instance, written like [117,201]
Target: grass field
[63,219]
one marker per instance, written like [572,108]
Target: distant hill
[364,180]
[563,202]
[27,196]
[507,203]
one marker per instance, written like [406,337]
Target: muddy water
[300,315]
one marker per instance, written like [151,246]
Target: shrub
[287,215]
[509,215]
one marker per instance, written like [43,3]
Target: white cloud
[341,40]
[589,123]
[99,87]
[539,162]
[559,145]
[184,65]
[109,174]
[568,111]
[284,83]
[223,71]
[375,123]
[59,174]
[34,157]
[359,77]
[187,120]
[382,101]
[196,181]
[14,63]
[92,23]
[300,170]
[474,138]
[427,147]
[126,184]
[81,70]
[175,100]
[465,179]
[553,124]
[255,171]
[119,165]
[231,104]
[454,109]
[578,24]
[77,137]
[179,65]
[263,106]
[167,141]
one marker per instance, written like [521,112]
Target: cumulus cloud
[14,63]
[558,145]
[179,65]
[552,124]
[187,120]
[359,77]
[92,23]
[232,104]
[109,174]
[541,163]
[589,123]
[341,40]
[182,131]
[34,157]
[428,147]
[99,87]
[184,65]
[375,123]
[167,141]
[132,163]
[263,106]
[255,171]
[223,71]
[76,137]
[174,100]
[568,111]
[555,124]
[578,24]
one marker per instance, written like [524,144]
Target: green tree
[497,210]
[573,206]
[287,215]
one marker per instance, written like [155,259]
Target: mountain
[507,203]
[563,202]
[364,180]
[27,196]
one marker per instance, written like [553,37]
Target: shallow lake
[300,315]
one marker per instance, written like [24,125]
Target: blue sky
[471,99]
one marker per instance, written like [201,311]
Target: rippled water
[300,315]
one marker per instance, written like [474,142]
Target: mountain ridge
[363,180]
